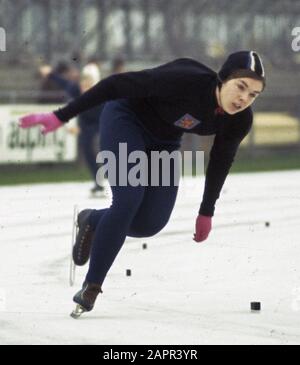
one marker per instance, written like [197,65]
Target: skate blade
[77,312]
[75,229]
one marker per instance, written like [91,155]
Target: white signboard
[18,145]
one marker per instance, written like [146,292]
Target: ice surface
[180,292]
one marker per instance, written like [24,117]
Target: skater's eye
[241,87]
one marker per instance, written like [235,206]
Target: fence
[149,29]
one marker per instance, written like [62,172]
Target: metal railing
[149,29]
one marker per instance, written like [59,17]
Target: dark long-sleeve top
[172,99]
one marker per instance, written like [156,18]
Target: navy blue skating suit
[150,110]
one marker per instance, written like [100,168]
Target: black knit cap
[243,60]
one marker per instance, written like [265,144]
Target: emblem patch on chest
[187,122]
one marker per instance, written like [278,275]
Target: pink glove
[49,121]
[203,227]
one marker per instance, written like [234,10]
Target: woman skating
[150,110]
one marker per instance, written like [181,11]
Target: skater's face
[238,94]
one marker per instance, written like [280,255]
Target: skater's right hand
[203,227]
[48,121]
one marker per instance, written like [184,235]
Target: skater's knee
[147,229]
[127,201]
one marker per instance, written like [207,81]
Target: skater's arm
[222,155]
[171,80]
[113,87]
[177,79]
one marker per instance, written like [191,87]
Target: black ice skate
[85,298]
[82,247]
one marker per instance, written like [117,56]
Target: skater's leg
[157,205]
[151,217]
[96,216]
[154,212]
[112,230]
[114,222]
[137,212]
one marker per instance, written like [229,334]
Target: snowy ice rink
[180,292]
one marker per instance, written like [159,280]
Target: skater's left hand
[203,227]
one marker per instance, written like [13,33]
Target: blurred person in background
[89,125]
[118,65]
[64,76]
[74,85]
[51,90]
